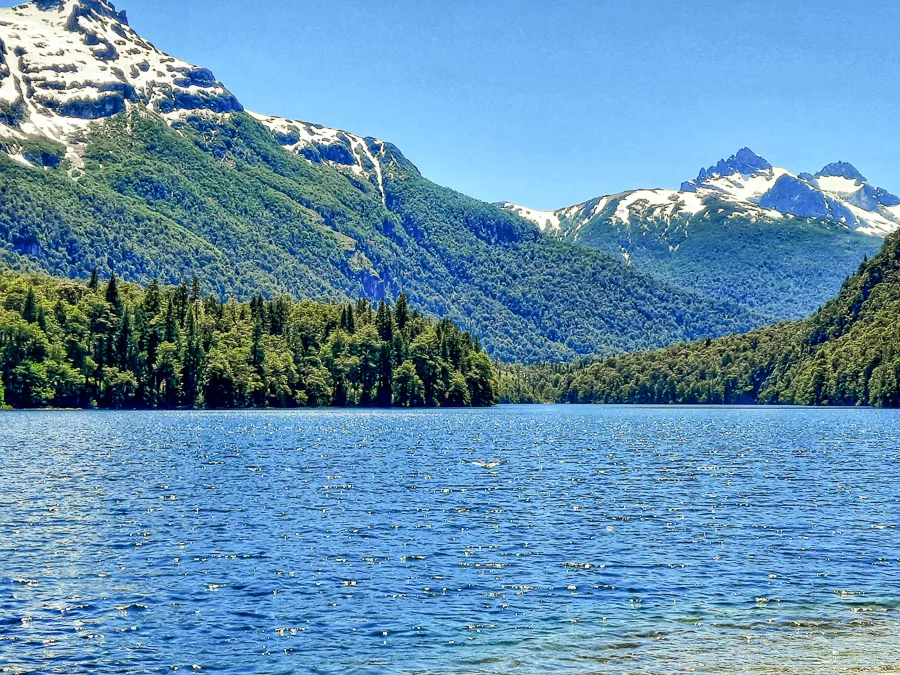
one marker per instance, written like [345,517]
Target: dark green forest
[110,344]
[784,268]
[847,354]
[218,197]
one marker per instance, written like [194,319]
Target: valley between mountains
[118,157]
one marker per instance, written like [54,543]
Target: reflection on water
[521,539]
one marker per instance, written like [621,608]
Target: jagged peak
[842,170]
[102,8]
[744,161]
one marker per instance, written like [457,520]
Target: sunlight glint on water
[521,539]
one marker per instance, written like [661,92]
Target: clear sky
[550,103]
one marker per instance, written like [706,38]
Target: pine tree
[171,323]
[112,293]
[192,359]
[30,309]
[384,393]
[126,345]
[152,302]
[180,301]
[94,283]
[59,313]
[401,311]
[384,322]
[195,290]
[351,320]
[257,355]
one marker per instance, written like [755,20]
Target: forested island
[846,354]
[113,345]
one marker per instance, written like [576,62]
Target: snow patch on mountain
[547,221]
[744,185]
[65,63]
[363,156]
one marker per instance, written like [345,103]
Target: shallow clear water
[520,539]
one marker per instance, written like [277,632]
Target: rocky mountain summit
[743,230]
[67,63]
[745,186]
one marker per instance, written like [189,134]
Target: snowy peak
[745,185]
[98,7]
[732,171]
[65,64]
[842,170]
[744,161]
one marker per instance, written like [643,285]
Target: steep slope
[848,353]
[743,230]
[120,157]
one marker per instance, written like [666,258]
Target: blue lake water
[515,540]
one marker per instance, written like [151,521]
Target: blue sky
[549,104]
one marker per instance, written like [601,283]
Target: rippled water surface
[521,539]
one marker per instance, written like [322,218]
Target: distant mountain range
[755,189]
[118,156]
[743,230]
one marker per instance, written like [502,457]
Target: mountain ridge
[157,170]
[744,231]
[847,354]
[748,182]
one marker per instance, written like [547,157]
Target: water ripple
[522,539]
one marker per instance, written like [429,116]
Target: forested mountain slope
[743,231]
[848,353]
[116,156]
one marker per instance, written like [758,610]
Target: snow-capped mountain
[743,186]
[65,64]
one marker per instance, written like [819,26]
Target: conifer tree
[195,290]
[180,302]
[152,298]
[401,311]
[384,321]
[112,293]
[170,333]
[192,359]
[126,346]
[384,394]
[30,309]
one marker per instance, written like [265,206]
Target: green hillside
[785,268]
[220,198]
[848,353]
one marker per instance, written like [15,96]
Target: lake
[513,540]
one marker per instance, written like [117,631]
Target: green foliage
[115,345]
[223,200]
[12,113]
[846,354]
[43,151]
[784,268]
[409,391]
